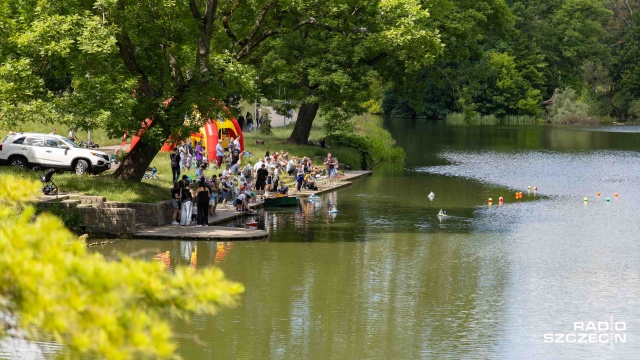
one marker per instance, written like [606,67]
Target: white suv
[51,151]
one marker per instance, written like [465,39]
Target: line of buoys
[518,196]
[615,196]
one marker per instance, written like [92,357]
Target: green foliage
[505,57]
[342,70]
[569,108]
[71,218]
[52,289]
[266,124]
[105,185]
[383,146]
[356,142]
[459,119]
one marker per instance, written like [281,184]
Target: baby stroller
[48,186]
[151,174]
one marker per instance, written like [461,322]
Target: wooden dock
[206,233]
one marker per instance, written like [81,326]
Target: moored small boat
[281,201]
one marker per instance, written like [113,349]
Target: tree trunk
[135,164]
[302,129]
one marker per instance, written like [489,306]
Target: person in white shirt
[270,164]
[227,171]
[258,165]
[291,166]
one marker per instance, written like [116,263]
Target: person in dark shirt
[241,122]
[261,179]
[249,119]
[175,164]
[175,201]
[235,155]
[202,198]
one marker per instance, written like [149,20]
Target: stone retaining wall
[112,218]
[154,214]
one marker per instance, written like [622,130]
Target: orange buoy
[598,193]
[615,195]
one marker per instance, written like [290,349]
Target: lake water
[385,278]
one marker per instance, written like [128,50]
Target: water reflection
[388,279]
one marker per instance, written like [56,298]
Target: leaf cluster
[52,289]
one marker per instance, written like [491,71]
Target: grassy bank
[102,185]
[151,190]
[459,119]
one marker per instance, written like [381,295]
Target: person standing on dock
[214,192]
[175,201]
[202,201]
[186,198]
[261,179]
[225,187]
[332,168]
[299,177]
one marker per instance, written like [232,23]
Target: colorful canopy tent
[209,135]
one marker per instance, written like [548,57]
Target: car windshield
[69,142]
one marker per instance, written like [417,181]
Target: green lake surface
[386,278]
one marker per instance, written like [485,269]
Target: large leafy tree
[114,63]
[468,29]
[505,56]
[332,69]
[617,86]
[52,289]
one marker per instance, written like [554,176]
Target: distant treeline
[564,61]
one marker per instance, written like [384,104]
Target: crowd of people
[234,183]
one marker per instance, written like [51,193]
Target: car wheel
[19,162]
[81,167]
